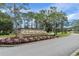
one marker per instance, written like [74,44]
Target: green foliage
[58,20]
[43,19]
[49,21]
[6,25]
[75,26]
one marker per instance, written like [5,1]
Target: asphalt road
[55,47]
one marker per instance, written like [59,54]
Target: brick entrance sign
[30,32]
[27,35]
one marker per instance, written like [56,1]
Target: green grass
[77,54]
[7,36]
[60,34]
[51,33]
[64,34]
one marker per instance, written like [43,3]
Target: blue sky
[71,9]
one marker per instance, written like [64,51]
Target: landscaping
[49,28]
[17,27]
[26,36]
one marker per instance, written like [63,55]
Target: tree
[54,18]
[63,19]
[6,25]
[75,26]
[14,10]
[30,16]
[58,19]
[39,18]
[17,11]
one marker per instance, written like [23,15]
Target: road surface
[55,47]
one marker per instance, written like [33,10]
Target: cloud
[67,7]
[60,6]
[71,9]
[24,11]
[73,16]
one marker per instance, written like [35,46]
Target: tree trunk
[24,23]
[55,29]
[62,29]
[14,5]
[27,24]
[36,24]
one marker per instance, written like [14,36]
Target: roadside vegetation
[46,21]
[7,36]
[64,34]
[52,21]
[75,26]
[77,54]
[60,34]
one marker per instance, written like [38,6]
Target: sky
[71,9]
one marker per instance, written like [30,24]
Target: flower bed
[25,36]
[17,40]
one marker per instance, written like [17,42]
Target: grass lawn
[64,34]
[6,36]
[60,34]
[77,54]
